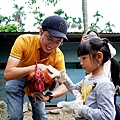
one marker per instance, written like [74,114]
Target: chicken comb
[37,72]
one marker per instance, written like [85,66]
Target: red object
[39,84]
[41,30]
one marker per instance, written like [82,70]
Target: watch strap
[50,94]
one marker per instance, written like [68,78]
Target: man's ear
[41,31]
[99,57]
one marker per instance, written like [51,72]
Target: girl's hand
[63,77]
[54,73]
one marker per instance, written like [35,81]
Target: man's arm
[12,71]
[59,91]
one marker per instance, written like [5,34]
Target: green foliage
[47,2]
[33,1]
[66,17]
[5,26]
[73,22]
[8,28]
[59,12]
[5,22]
[108,28]
[97,16]
[94,26]
[54,2]
[76,23]
[18,16]
[4,19]
[38,17]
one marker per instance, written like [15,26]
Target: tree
[59,12]
[18,15]
[108,28]
[85,15]
[47,2]
[73,22]
[38,17]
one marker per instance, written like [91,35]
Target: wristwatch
[50,94]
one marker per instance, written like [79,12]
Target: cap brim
[56,33]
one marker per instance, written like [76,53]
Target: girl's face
[49,43]
[88,63]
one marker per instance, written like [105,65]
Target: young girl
[97,91]
[111,68]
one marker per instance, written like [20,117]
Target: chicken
[39,81]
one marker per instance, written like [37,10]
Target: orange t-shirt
[26,48]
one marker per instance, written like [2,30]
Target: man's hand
[42,97]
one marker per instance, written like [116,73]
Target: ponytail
[115,71]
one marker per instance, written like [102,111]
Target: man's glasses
[50,40]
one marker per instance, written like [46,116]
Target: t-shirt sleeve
[18,48]
[60,63]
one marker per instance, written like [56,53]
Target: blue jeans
[15,100]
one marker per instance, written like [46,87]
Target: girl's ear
[99,57]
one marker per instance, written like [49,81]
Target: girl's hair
[94,32]
[115,71]
[92,46]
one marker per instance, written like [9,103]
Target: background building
[74,70]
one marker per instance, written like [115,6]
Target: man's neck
[43,54]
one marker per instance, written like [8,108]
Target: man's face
[49,43]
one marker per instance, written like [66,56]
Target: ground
[52,115]
[27,116]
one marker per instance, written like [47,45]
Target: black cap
[56,26]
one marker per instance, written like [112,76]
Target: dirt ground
[28,116]
[51,115]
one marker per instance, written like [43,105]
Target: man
[27,50]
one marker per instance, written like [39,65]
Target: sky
[109,9]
